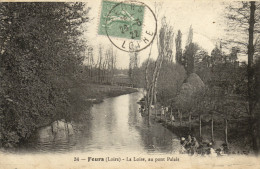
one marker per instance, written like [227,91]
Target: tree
[133,66]
[245,16]
[187,98]
[90,62]
[112,63]
[99,63]
[190,36]
[184,101]
[178,43]
[189,55]
[201,105]
[41,54]
[202,65]
[164,44]
[233,55]
[169,84]
[233,108]
[251,49]
[212,103]
[216,56]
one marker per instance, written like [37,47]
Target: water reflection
[116,125]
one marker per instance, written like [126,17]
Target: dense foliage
[40,53]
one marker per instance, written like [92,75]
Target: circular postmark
[131,26]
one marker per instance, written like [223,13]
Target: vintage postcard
[129,84]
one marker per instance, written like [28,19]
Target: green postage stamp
[122,20]
[130,25]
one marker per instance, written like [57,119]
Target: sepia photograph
[129,84]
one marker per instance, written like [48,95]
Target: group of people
[192,146]
[163,111]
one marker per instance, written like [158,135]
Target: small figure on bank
[225,148]
[142,108]
[172,118]
[194,145]
[209,146]
[183,140]
[183,143]
[211,151]
[188,144]
[162,110]
[166,109]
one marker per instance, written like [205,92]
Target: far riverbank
[84,95]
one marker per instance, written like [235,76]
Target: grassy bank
[83,95]
[95,93]
[100,92]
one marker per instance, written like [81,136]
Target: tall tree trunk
[190,120]
[159,60]
[250,74]
[147,85]
[171,117]
[165,116]
[155,106]
[200,124]
[226,131]
[180,113]
[160,114]
[212,128]
[155,79]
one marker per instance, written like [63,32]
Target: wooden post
[165,116]
[190,120]
[155,109]
[212,128]
[160,113]
[180,113]
[171,117]
[200,124]
[226,131]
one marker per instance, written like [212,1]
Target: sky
[206,18]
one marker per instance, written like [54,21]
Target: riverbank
[96,93]
[238,137]
[84,95]
[110,127]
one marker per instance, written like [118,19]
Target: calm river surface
[115,125]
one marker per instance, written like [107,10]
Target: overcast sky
[206,18]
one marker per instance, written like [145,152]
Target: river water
[114,125]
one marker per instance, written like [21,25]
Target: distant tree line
[101,70]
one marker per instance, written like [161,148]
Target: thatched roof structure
[195,81]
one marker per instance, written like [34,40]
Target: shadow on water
[115,125]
